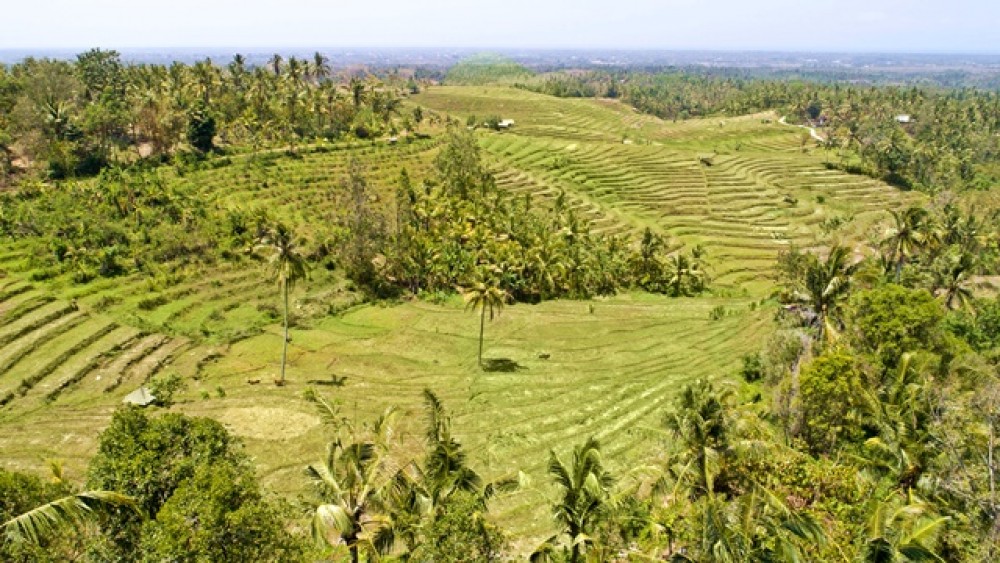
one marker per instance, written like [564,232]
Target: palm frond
[331,518]
[65,512]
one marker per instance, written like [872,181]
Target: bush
[891,320]
[165,387]
[753,368]
[149,459]
[830,390]
[218,515]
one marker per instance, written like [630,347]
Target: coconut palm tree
[902,413]
[69,511]
[825,284]
[287,267]
[584,499]
[275,63]
[953,280]
[701,421]
[349,481]
[907,235]
[485,297]
[684,274]
[419,493]
[357,87]
[320,67]
[902,531]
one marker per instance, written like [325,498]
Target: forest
[854,416]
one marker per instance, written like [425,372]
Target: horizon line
[487,48]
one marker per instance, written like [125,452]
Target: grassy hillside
[606,373]
[744,188]
[487,68]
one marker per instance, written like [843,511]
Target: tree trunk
[284,343]
[482,326]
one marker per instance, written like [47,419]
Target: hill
[486,68]
[745,189]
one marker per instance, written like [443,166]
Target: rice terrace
[753,316]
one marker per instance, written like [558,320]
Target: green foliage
[463,229]
[753,368]
[77,118]
[486,69]
[831,386]
[165,386]
[20,493]
[201,129]
[218,515]
[890,320]
[462,533]
[980,330]
[149,459]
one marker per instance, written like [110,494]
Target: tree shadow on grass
[334,381]
[501,365]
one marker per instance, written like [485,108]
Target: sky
[916,26]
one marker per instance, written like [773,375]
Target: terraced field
[54,352]
[609,373]
[741,187]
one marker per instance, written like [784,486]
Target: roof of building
[140,396]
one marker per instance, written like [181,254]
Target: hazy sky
[838,25]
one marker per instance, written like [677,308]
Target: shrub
[753,368]
[830,390]
[891,320]
[165,387]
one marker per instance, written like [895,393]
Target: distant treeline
[70,118]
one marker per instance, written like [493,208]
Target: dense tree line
[72,118]
[451,230]
[458,229]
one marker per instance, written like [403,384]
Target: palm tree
[485,297]
[320,67]
[825,285]
[953,280]
[585,498]
[295,69]
[69,511]
[685,275]
[906,236]
[902,533]
[902,413]
[445,470]
[420,492]
[275,63]
[702,422]
[357,87]
[287,267]
[350,480]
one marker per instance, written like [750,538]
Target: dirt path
[812,131]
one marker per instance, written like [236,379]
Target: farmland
[744,188]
